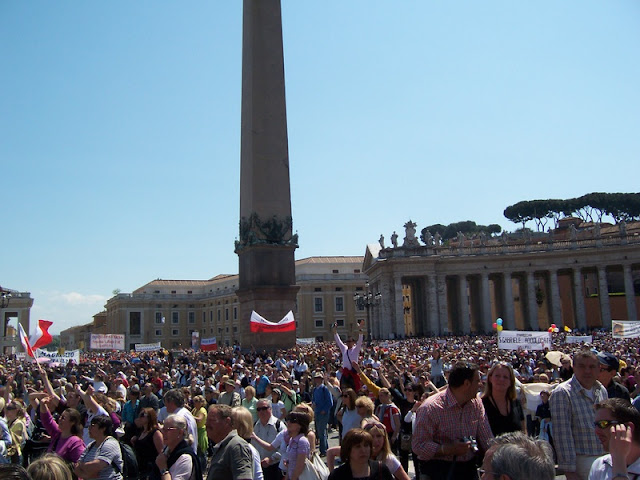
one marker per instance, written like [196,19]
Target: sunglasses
[11,407]
[262,409]
[142,415]
[604,424]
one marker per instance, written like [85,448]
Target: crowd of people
[452,407]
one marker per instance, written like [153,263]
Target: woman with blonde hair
[242,421]
[364,407]
[49,467]
[14,413]
[199,413]
[502,407]
[250,402]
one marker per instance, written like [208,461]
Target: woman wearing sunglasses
[148,444]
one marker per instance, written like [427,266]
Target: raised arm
[88,399]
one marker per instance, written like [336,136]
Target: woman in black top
[501,406]
[356,452]
[148,444]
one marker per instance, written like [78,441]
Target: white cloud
[75,298]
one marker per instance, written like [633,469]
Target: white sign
[620,329]
[107,342]
[579,339]
[61,358]
[148,347]
[514,340]
[305,341]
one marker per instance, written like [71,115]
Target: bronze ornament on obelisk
[266,243]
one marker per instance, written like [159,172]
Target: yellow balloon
[499,328]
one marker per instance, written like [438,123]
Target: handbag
[405,442]
[314,469]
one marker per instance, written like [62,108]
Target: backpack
[130,469]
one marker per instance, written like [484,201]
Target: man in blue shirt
[322,403]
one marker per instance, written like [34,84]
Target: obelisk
[266,242]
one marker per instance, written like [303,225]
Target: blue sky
[120,128]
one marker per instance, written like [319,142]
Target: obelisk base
[272,303]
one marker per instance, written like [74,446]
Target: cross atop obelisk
[266,243]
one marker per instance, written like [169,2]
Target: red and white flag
[42,337]
[260,324]
[208,344]
[25,341]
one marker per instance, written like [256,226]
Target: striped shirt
[441,420]
[573,414]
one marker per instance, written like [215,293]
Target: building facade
[169,311]
[16,311]
[580,276]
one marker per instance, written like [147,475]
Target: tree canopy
[591,207]
[468,227]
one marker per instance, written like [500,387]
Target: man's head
[219,423]
[174,399]
[618,411]
[586,368]
[264,411]
[350,342]
[516,456]
[317,378]
[609,366]
[464,380]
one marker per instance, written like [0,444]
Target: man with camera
[451,428]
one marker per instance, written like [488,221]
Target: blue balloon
[499,321]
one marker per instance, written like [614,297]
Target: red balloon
[495,325]
[550,330]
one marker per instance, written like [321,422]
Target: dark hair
[460,372]
[175,396]
[76,421]
[13,471]
[624,412]
[353,396]
[103,422]
[354,437]
[301,419]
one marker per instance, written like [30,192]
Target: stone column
[578,295]
[463,304]
[509,315]
[433,323]
[532,306]
[554,299]
[398,326]
[443,310]
[387,307]
[632,313]
[485,302]
[603,296]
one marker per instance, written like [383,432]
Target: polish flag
[25,341]
[260,324]
[208,344]
[42,337]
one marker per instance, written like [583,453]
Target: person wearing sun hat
[609,366]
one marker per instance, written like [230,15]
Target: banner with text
[579,339]
[61,358]
[305,341]
[620,329]
[514,340]
[107,341]
[148,347]
[208,344]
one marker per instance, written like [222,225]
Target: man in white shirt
[174,403]
[267,428]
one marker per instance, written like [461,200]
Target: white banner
[305,341]
[620,329]
[107,342]
[148,347]
[62,358]
[579,339]
[513,340]
[195,336]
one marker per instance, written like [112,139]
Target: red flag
[208,344]
[42,337]
[260,324]
[25,341]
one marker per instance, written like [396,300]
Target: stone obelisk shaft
[266,244]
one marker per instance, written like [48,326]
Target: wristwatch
[162,472]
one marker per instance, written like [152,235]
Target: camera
[472,440]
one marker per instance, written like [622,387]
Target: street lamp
[5,296]
[367,300]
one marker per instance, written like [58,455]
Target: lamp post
[367,300]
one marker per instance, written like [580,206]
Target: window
[360,306]
[175,317]
[317,289]
[189,292]
[317,305]
[174,332]
[357,270]
[219,315]
[159,305]
[235,329]
[135,323]
[338,289]
[173,292]
[339,304]
[158,332]
[340,322]
[319,323]
[204,317]
[219,330]
[211,316]
[235,313]
[158,317]
[192,317]
[335,271]
[226,314]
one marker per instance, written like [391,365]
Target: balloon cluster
[497,325]
[553,328]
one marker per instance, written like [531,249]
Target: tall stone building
[17,310]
